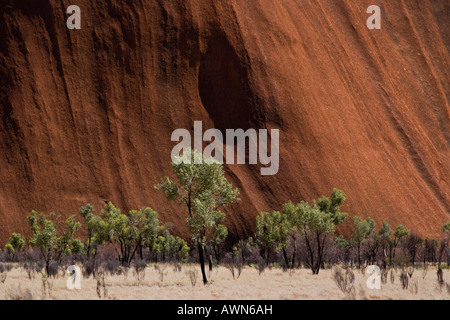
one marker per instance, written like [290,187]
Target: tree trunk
[286,259]
[359,255]
[210,262]
[293,255]
[88,251]
[202,261]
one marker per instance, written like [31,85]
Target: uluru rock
[87,115]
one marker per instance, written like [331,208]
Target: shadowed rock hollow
[87,115]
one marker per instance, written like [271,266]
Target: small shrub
[392,273]
[176,267]
[101,289]
[440,278]
[10,249]
[424,271]
[4,269]
[233,263]
[161,268]
[260,265]
[47,286]
[404,279]
[89,268]
[345,281]
[384,275]
[192,274]
[17,293]
[113,267]
[53,269]
[139,269]
[410,271]
[3,277]
[414,286]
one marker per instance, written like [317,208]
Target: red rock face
[87,115]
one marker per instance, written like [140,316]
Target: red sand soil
[87,115]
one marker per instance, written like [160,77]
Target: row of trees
[312,228]
[299,234]
[128,234]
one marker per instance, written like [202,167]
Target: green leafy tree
[385,239]
[267,226]
[15,244]
[128,234]
[411,244]
[217,238]
[45,235]
[273,231]
[390,239]
[65,240]
[77,246]
[363,229]
[10,249]
[91,225]
[148,227]
[315,223]
[373,243]
[119,230]
[344,246]
[446,230]
[202,187]
[399,233]
[171,247]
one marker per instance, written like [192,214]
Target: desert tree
[289,232]
[363,229]
[272,231]
[385,239]
[245,248]
[315,223]
[446,231]
[373,244]
[65,241]
[399,233]
[343,246]
[170,247]
[147,228]
[127,233]
[203,189]
[15,244]
[46,237]
[430,247]
[77,246]
[412,245]
[91,226]
[116,228]
[217,239]
[390,239]
[43,235]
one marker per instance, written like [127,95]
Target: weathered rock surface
[87,115]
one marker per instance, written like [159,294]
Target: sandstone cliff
[87,115]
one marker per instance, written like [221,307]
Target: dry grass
[272,284]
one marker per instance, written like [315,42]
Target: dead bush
[345,280]
[192,274]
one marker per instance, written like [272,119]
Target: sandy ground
[273,284]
